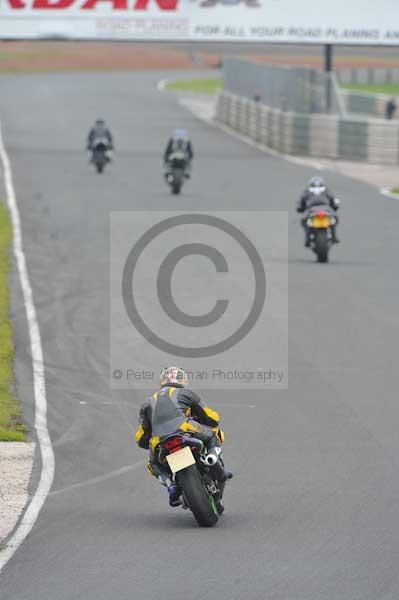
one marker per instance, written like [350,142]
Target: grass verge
[391,89]
[11,426]
[211,86]
[395,190]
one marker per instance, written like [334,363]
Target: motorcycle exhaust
[216,468]
[211,460]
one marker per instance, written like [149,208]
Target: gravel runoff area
[16,460]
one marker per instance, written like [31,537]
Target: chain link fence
[294,89]
[368,75]
[368,104]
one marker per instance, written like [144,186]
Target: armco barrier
[324,136]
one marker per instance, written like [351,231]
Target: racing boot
[174,495]
[334,237]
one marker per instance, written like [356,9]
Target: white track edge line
[39,383]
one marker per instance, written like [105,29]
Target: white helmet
[180,134]
[317,185]
[174,376]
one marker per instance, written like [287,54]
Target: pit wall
[323,136]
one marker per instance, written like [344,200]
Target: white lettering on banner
[354,22]
[207,30]
[142,26]
[299,32]
[268,32]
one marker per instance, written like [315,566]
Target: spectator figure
[257,96]
[390,109]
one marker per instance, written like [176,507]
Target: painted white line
[39,383]
[387,192]
[100,478]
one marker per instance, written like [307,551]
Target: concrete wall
[324,136]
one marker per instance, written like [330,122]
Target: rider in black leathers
[179,142]
[175,408]
[99,132]
[317,194]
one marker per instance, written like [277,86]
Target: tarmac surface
[313,510]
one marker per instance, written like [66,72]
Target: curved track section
[313,512]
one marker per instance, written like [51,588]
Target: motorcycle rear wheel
[197,499]
[321,245]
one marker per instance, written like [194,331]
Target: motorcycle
[319,220]
[176,171]
[199,473]
[100,155]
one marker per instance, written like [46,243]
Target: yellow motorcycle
[319,221]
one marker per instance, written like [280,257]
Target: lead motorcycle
[176,171]
[319,220]
[199,473]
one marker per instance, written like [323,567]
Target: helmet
[316,185]
[174,376]
[180,134]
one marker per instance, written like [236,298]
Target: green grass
[395,190]
[391,89]
[212,85]
[11,426]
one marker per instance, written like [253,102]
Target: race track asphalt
[313,512]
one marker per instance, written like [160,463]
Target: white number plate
[181,459]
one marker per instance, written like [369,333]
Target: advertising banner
[292,21]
